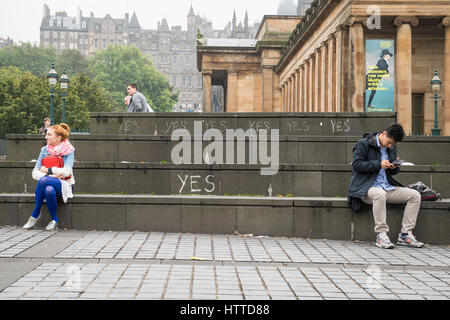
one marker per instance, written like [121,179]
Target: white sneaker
[383,241]
[409,240]
[52,225]
[31,223]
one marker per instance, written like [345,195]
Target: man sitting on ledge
[372,183]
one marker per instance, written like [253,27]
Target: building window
[63,35]
[96,44]
[174,59]
[174,80]
[188,60]
[190,82]
[55,35]
[62,45]
[83,25]
[47,34]
[46,44]
[199,81]
[184,81]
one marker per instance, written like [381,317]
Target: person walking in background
[53,181]
[372,183]
[47,123]
[136,101]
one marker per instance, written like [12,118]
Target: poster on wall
[379,94]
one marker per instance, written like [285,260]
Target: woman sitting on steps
[53,182]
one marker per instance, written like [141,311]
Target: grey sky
[21,19]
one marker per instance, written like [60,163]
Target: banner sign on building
[379,94]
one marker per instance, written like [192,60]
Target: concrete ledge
[292,149]
[288,123]
[322,218]
[167,179]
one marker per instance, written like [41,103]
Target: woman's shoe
[52,225]
[31,223]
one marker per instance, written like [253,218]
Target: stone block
[99,216]
[208,219]
[320,221]
[146,218]
[266,221]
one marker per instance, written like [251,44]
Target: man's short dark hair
[395,132]
[133,85]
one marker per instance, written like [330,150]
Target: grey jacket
[138,103]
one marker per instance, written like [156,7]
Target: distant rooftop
[244,43]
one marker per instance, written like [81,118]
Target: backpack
[426,192]
[51,161]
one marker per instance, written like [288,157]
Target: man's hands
[385,164]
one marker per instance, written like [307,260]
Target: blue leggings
[48,188]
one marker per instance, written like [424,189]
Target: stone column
[339,73]
[268,92]
[323,78]
[311,84]
[358,62]
[331,95]
[300,90]
[446,124]
[316,78]
[404,71]
[207,95]
[232,96]
[289,95]
[294,91]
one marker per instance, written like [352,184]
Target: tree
[118,66]
[28,58]
[37,60]
[25,101]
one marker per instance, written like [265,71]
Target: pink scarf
[61,150]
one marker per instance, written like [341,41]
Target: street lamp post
[435,84]
[64,85]
[52,77]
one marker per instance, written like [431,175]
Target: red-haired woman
[53,182]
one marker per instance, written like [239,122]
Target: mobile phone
[398,162]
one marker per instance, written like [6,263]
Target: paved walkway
[136,265]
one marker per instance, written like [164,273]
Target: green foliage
[38,60]
[96,85]
[118,66]
[24,101]
[28,58]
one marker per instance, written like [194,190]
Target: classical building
[354,55]
[243,69]
[172,50]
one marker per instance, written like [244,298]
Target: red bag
[54,162]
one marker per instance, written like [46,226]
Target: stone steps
[166,179]
[320,123]
[292,149]
[313,217]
